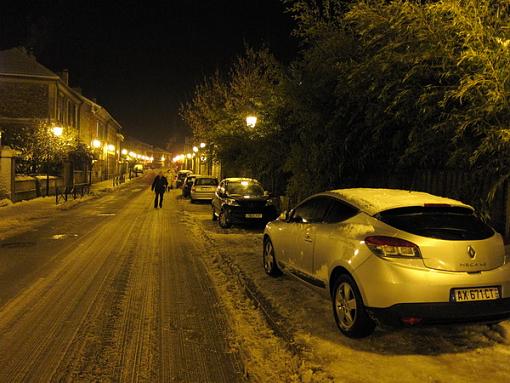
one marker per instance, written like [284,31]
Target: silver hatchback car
[393,257]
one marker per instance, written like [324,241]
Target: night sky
[142,59]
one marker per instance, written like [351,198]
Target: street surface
[115,290]
[112,290]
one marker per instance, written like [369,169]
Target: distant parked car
[181,175]
[242,200]
[186,185]
[138,168]
[203,188]
[392,256]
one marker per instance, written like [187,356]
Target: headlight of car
[231,202]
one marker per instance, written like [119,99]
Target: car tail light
[193,188]
[390,247]
[411,321]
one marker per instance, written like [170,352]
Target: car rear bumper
[384,284]
[443,312]
[202,195]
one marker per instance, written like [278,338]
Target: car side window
[339,211]
[311,211]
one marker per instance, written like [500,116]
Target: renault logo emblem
[471,252]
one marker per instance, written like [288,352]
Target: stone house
[31,94]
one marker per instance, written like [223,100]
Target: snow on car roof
[373,201]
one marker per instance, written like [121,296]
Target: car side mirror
[284,216]
[296,219]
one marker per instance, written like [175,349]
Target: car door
[334,238]
[301,234]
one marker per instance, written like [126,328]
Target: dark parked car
[186,185]
[242,200]
[181,175]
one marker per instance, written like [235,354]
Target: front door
[305,220]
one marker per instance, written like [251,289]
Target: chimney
[65,76]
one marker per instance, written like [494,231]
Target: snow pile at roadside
[265,356]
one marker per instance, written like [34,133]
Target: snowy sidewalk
[16,218]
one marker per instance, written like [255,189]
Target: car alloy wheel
[348,309]
[269,260]
[223,220]
[345,304]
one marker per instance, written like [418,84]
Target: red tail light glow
[411,321]
[390,247]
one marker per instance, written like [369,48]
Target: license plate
[475,294]
[253,215]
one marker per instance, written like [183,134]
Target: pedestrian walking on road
[159,186]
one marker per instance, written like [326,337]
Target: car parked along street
[203,188]
[242,200]
[392,257]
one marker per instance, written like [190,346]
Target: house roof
[17,62]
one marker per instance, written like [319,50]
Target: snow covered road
[113,290]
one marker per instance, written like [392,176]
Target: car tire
[223,220]
[348,309]
[269,260]
[214,218]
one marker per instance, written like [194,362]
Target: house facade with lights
[103,135]
[31,95]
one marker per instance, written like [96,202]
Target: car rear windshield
[245,188]
[454,223]
[206,181]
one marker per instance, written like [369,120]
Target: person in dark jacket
[159,186]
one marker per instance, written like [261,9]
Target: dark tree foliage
[380,86]
[41,150]
[217,115]
[392,86]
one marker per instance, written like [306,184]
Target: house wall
[23,99]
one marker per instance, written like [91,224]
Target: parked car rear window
[454,223]
[251,189]
[206,181]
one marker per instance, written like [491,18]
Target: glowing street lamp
[202,145]
[195,149]
[251,121]
[124,152]
[57,131]
[111,148]
[96,143]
